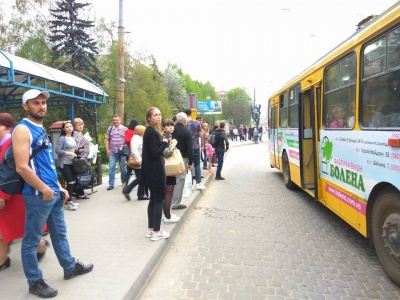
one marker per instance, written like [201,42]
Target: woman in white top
[136,151]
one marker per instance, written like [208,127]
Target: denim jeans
[113,159]
[255,139]
[220,157]
[197,168]
[205,163]
[134,183]
[38,212]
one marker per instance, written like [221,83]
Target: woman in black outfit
[153,172]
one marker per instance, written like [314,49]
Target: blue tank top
[43,163]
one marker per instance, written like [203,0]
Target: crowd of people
[246,133]
[140,152]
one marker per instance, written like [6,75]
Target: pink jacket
[209,149]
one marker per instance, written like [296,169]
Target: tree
[72,42]
[174,84]
[237,106]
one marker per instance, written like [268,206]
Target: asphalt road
[248,237]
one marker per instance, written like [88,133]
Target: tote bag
[174,164]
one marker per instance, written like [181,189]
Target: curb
[140,282]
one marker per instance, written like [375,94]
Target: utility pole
[121,70]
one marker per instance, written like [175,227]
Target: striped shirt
[116,137]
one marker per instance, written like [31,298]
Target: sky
[254,44]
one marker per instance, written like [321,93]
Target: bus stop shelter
[18,74]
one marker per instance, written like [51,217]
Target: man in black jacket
[185,144]
[221,146]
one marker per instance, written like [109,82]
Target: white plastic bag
[187,188]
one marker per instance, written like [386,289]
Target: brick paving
[248,237]
[244,238]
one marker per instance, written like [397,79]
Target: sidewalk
[108,231]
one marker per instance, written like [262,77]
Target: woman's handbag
[132,163]
[84,180]
[174,164]
[80,165]
[123,151]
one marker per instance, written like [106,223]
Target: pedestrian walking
[115,138]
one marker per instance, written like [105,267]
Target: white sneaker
[74,204]
[173,219]
[159,236]
[200,186]
[70,206]
[148,234]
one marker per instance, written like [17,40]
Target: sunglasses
[68,121]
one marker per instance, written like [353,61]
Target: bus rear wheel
[286,173]
[386,231]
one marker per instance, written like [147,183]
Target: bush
[103,153]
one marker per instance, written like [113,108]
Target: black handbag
[80,165]
[123,151]
[84,180]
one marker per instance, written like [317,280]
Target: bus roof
[383,21]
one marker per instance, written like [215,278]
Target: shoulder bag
[132,163]
[174,164]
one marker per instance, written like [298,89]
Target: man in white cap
[42,195]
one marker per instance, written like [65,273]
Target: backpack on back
[10,181]
[214,136]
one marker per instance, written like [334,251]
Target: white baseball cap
[32,94]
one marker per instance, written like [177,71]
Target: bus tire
[286,173]
[385,229]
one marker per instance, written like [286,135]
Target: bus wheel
[286,173]
[386,232]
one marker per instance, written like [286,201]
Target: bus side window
[283,112]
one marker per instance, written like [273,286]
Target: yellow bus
[334,132]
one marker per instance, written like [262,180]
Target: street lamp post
[121,70]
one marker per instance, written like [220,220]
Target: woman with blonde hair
[153,172]
[136,145]
[83,146]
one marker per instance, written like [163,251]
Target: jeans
[178,190]
[38,212]
[197,168]
[114,157]
[205,165]
[220,157]
[134,183]
[255,139]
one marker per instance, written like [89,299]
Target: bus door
[307,147]
[274,137]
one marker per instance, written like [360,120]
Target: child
[210,152]
[339,117]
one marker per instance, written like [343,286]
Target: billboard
[209,107]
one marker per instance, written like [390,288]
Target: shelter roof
[18,74]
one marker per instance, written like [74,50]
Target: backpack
[214,136]
[10,181]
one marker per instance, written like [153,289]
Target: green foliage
[237,106]
[36,48]
[103,154]
[71,39]
[173,81]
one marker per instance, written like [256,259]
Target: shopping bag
[174,164]
[187,188]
